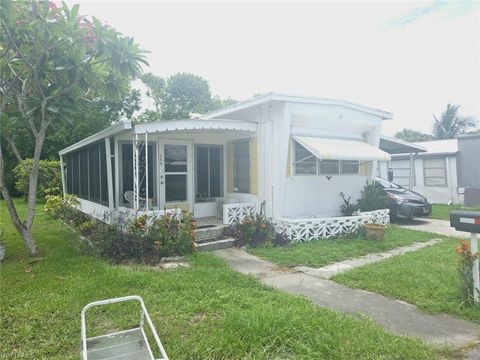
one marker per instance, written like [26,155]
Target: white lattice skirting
[233,213]
[303,230]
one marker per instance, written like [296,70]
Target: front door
[175,174]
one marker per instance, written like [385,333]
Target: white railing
[303,230]
[233,213]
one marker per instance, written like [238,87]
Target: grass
[321,252]
[442,211]
[205,312]
[427,278]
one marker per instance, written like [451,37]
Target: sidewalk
[441,227]
[397,316]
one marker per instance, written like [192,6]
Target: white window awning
[334,149]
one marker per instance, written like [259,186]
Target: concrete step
[215,245]
[209,233]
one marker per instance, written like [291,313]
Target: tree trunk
[24,231]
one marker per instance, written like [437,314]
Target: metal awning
[398,146]
[335,149]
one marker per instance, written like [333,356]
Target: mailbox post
[469,221]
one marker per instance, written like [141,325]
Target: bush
[139,240]
[347,208]
[252,231]
[465,270]
[373,197]
[60,207]
[49,177]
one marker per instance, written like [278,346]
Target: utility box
[468,221]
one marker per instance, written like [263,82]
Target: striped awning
[335,149]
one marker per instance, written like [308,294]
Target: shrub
[252,231]
[373,197]
[347,208]
[144,240]
[49,177]
[465,270]
[57,206]
[281,239]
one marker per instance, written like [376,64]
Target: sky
[408,58]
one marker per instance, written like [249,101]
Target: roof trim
[114,129]
[182,125]
[294,98]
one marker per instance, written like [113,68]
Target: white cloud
[341,50]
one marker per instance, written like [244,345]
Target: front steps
[210,238]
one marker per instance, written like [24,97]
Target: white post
[476,280]
[146,170]
[410,175]
[108,155]
[64,189]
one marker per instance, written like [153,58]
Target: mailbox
[468,221]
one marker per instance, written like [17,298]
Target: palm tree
[450,125]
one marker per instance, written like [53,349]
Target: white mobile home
[289,155]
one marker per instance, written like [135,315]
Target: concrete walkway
[441,227]
[331,270]
[397,316]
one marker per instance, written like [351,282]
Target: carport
[398,146]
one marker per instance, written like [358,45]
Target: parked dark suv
[404,203]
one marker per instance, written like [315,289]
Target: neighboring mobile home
[434,172]
[288,155]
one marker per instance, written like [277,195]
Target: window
[329,167]
[350,167]
[241,166]
[305,161]
[209,177]
[434,172]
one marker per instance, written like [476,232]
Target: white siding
[308,196]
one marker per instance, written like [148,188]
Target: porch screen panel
[83,174]
[202,173]
[103,175]
[94,161]
[76,174]
[127,170]
[215,172]
[208,168]
[69,184]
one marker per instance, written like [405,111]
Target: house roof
[398,146]
[438,147]
[261,99]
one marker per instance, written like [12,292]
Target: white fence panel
[233,213]
[303,230]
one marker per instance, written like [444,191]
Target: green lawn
[325,251]
[205,312]
[442,211]
[427,278]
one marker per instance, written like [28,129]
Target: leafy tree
[451,125]
[178,96]
[49,177]
[52,60]
[185,93]
[413,135]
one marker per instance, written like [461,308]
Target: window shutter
[253,167]
[363,168]
[230,167]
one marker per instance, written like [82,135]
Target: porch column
[62,170]
[410,175]
[111,203]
